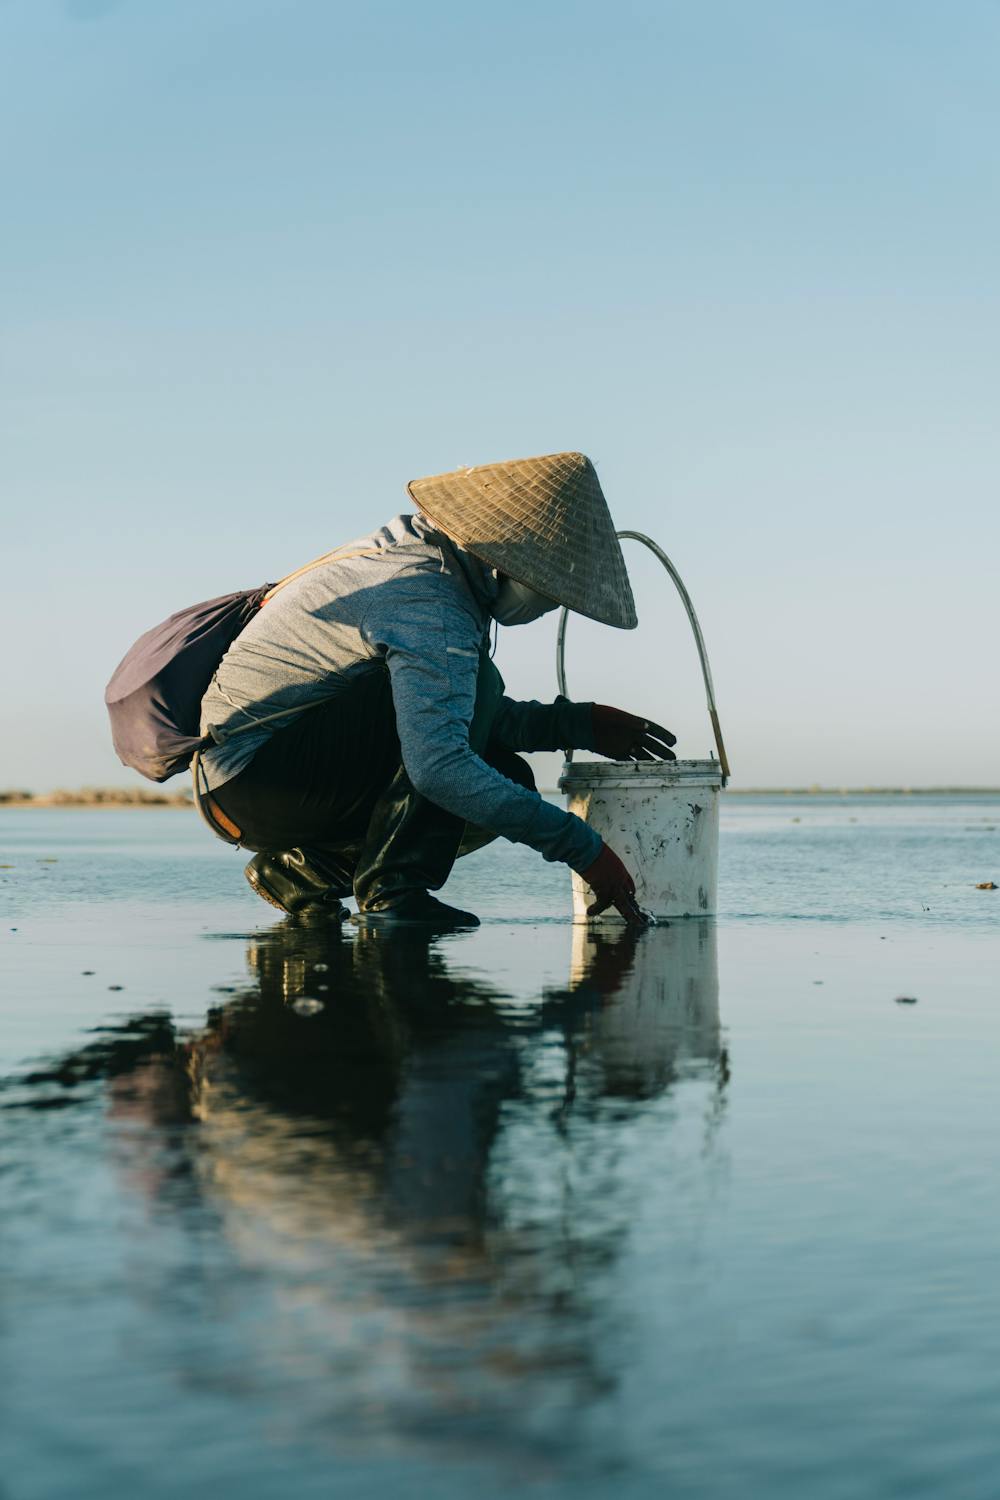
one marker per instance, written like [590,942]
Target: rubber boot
[297,880]
[409,850]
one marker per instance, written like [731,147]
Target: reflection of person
[402,748]
[409,1064]
[421,1182]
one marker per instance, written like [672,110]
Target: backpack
[154,696]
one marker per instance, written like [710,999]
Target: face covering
[516,604]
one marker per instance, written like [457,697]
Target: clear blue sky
[266,260]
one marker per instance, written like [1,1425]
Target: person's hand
[612,884]
[622,736]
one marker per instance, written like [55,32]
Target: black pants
[319,781]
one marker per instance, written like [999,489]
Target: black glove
[612,884]
[622,736]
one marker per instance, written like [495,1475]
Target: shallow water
[301,1210]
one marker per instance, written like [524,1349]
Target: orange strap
[222,818]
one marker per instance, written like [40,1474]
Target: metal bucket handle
[706,672]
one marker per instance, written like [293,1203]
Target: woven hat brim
[542,521]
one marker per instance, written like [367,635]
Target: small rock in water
[305,1005]
[906,999]
[986,885]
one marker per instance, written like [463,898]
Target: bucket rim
[667,772]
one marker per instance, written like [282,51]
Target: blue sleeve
[431,647]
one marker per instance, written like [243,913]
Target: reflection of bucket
[662,819]
[662,1016]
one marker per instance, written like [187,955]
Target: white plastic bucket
[660,817]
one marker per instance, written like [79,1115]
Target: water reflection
[655,1008]
[420,1180]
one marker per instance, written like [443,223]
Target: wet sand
[291,1208]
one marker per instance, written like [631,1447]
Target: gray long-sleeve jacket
[420,605]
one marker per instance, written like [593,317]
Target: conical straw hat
[542,521]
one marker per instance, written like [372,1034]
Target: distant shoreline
[101,797]
[114,797]
[863,791]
